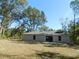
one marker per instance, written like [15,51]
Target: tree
[71,31]
[15,10]
[44,28]
[35,18]
[59,31]
[8,8]
[64,23]
[50,29]
[75,7]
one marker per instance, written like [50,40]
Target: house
[46,36]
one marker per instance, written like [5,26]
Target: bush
[77,41]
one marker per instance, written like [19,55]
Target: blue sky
[55,10]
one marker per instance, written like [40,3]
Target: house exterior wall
[55,38]
[66,39]
[27,37]
[42,38]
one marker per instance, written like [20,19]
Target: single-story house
[46,36]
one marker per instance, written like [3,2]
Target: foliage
[71,32]
[64,23]
[74,26]
[75,6]
[35,17]
[15,10]
[59,31]
[6,8]
[45,28]
[77,41]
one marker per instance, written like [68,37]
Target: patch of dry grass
[22,50]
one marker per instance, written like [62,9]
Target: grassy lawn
[29,50]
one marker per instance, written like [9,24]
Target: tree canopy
[29,18]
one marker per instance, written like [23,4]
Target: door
[49,38]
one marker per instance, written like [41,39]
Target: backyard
[30,50]
[39,20]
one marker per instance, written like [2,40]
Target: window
[49,38]
[34,37]
[59,38]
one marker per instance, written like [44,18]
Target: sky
[55,11]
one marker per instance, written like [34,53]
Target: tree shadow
[56,45]
[37,55]
[50,55]
[62,45]
[75,47]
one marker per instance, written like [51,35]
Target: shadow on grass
[50,55]
[38,55]
[75,47]
[56,45]
[62,45]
